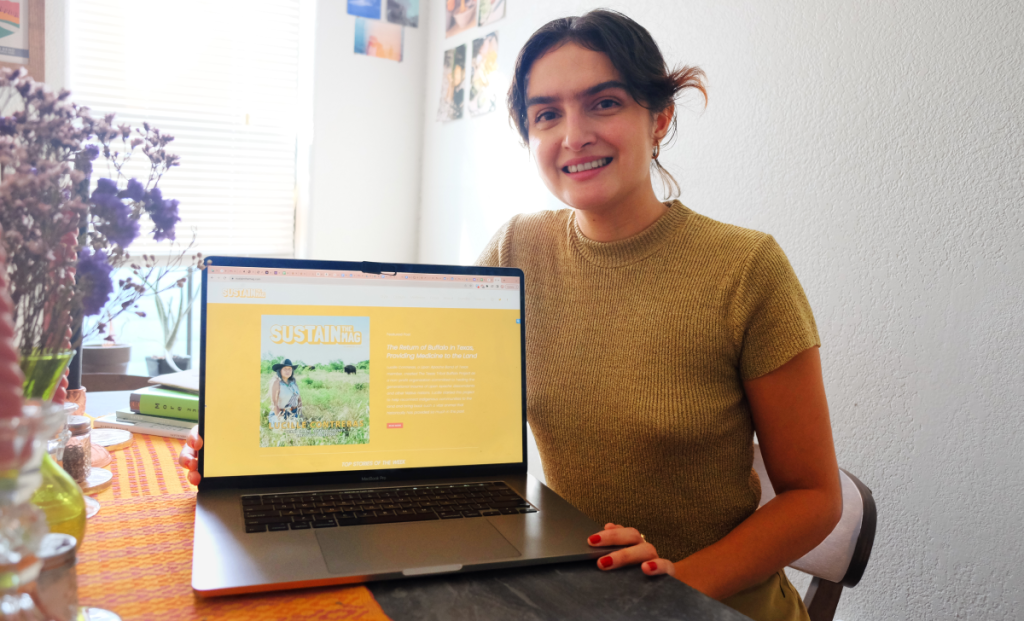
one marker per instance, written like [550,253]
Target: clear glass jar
[57,584]
[23,441]
[78,451]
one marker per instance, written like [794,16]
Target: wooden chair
[105,382]
[841,559]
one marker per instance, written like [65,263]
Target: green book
[159,401]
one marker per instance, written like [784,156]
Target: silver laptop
[366,421]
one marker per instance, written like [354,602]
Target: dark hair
[633,53]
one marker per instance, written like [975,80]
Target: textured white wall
[882,143]
[367,144]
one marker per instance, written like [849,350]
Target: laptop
[366,421]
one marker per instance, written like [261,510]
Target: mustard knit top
[635,355]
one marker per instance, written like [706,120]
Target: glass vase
[58,495]
[61,499]
[43,371]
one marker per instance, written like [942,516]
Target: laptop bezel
[385,476]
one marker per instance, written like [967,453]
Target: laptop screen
[310,371]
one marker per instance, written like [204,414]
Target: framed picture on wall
[22,34]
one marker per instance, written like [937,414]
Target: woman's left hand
[639,552]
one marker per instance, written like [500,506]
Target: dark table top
[548,592]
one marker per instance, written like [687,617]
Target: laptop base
[227,561]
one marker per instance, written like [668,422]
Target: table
[136,560]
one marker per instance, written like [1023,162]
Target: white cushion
[831,558]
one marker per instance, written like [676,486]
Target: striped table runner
[137,556]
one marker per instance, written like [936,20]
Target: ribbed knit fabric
[635,354]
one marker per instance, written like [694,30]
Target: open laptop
[366,421]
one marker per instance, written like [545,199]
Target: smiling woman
[641,84]
[575,87]
[683,335]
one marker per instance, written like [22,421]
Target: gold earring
[657,151]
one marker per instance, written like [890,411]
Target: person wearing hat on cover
[285,400]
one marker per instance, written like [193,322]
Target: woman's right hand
[189,458]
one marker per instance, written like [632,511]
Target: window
[224,79]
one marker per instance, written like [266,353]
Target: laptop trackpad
[384,548]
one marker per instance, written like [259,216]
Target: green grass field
[328,396]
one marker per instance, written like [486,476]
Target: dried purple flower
[93,279]
[163,213]
[113,217]
[135,191]
[46,163]
[105,186]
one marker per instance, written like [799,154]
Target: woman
[660,340]
[284,392]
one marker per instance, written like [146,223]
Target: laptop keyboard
[328,509]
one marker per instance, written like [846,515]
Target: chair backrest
[843,555]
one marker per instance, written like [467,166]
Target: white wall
[882,143]
[366,149]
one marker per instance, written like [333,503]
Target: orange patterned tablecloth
[137,556]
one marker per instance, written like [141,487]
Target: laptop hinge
[369,267]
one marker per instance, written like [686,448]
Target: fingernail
[652,566]
[594,539]
[606,561]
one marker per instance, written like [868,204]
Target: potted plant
[147,277]
[108,355]
[173,301]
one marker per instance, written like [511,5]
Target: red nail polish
[595,539]
[606,561]
[652,566]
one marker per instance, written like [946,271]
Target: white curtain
[221,76]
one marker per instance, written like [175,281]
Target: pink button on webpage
[394,425]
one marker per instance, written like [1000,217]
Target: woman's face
[286,372]
[580,115]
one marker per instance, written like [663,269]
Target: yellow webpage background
[489,431]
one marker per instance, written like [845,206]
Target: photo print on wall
[483,90]
[314,380]
[364,8]
[459,15]
[404,12]
[453,84]
[379,39]
[490,11]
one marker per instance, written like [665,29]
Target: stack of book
[169,407]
